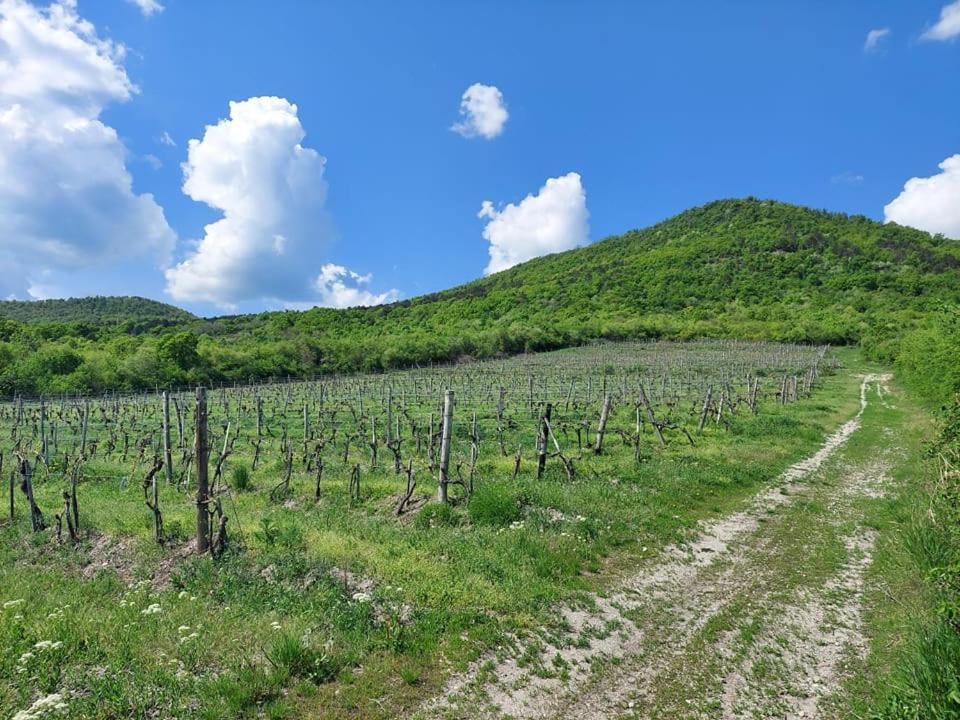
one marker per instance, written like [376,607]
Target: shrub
[496,504]
[437,515]
[240,478]
[267,532]
[286,535]
[173,530]
[293,657]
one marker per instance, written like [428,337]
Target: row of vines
[447,427]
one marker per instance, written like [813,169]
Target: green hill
[93,310]
[746,268]
[732,268]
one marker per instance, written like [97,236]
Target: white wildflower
[13,603]
[151,609]
[47,645]
[43,706]
[361,597]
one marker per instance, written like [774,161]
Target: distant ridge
[98,310]
[748,268]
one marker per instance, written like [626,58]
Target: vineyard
[450,426]
[357,524]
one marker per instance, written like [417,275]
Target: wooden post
[723,396]
[36,517]
[167,455]
[530,395]
[181,439]
[650,416]
[74,504]
[445,435]
[602,427]
[542,440]
[390,415]
[83,431]
[203,457]
[706,408]
[43,431]
[636,438]
[11,486]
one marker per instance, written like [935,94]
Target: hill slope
[746,268]
[93,310]
[737,267]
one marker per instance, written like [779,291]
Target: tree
[180,349]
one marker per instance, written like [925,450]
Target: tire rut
[611,657]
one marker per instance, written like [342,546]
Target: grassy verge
[913,670]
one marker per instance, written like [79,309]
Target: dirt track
[757,617]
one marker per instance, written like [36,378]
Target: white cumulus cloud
[874,37]
[948,26]
[341,288]
[272,192]
[275,230]
[930,203]
[482,112]
[66,196]
[555,219]
[149,8]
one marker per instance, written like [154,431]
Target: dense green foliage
[735,268]
[928,680]
[929,357]
[93,311]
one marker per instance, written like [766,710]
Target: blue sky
[655,106]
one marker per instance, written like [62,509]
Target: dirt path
[755,618]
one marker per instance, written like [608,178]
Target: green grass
[913,670]
[273,629]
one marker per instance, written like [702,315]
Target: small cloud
[847,178]
[41,288]
[948,26]
[554,220]
[930,203]
[874,37]
[149,8]
[342,288]
[165,139]
[483,112]
[153,161]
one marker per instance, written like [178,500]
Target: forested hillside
[735,268]
[92,310]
